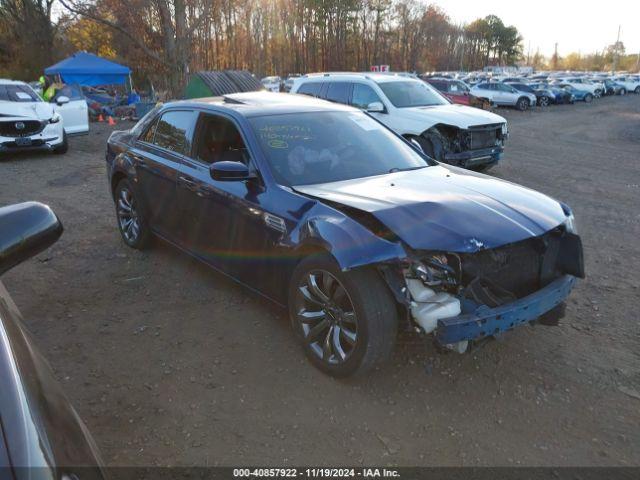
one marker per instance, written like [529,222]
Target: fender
[351,244]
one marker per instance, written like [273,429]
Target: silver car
[501,94]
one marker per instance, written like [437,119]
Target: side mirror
[26,229]
[61,100]
[375,107]
[228,171]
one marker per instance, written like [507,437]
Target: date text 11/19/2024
[315,473]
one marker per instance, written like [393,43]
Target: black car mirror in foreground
[26,230]
[228,171]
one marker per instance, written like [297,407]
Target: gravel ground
[170,363]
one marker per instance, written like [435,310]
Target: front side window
[219,140]
[363,96]
[72,92]
[406,94]
[173,131]
[321,147]
[338,92]
[18,93]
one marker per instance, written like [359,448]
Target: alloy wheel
[127,216]
[326,316]
[544,101]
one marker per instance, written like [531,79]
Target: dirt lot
[170,363]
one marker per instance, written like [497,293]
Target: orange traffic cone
[112,122]
[100,118]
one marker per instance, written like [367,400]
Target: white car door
[74,113]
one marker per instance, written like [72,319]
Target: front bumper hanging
[487,321]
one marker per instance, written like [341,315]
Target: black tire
[623,91]
[63,147]
[637,90]
[588,98]
[142,237]
[544,101]
[597,93]
[523,104]
[374,316]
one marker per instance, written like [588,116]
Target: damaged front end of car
[478,146]
[466,297]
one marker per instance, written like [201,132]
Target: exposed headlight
[55,118]
[436,271]
[505,130]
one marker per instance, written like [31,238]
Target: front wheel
[346,321]
[623,91]
[522,104]
[131,223]
[588,98]
[637,90]
[543,101]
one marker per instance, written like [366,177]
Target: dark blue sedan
[324,210]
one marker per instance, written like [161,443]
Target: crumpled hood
[25,111]
[447,208]
[453,114]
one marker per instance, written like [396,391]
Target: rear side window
[174,130]
[484,86]
[311,88]
[338,92]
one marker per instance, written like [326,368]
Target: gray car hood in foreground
[446,209]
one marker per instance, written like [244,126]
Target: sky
[578,26]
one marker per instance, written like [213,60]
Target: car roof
[374,76]
[253,104]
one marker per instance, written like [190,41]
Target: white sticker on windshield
[365,122]
[23,96]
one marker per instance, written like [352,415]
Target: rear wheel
[63,147]
[623,91]
[543,101]
[588,98]
[132,224]
[522,104]
[637,90]
[347,321]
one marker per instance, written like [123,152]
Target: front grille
[21,128]
[485,136]
[520,268]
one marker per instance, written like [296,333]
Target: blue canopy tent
[88,69]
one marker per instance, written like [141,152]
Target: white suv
[455,134]
[28,123]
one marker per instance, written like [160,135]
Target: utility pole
[555,57]
[615,52]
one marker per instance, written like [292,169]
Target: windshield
[311,148]
[18,93]
[412,94]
